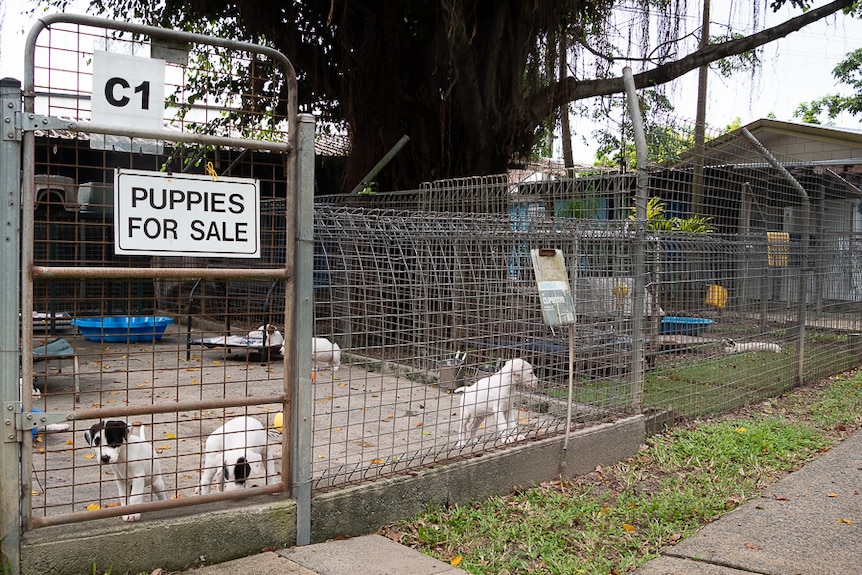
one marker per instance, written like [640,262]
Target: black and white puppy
[233,452]
[132,460]
[491,397]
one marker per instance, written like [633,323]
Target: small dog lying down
[324,354]
[132,460]
[492,397]
[268,334]
[233,452]
[731,346]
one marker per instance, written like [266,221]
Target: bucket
[449,372]
[716,296]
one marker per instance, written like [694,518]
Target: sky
[795,69]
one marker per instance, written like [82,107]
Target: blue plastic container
[676,325]
[124,328]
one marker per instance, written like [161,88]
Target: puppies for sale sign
[157,213]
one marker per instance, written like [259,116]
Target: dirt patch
[365,423]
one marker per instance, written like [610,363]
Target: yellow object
[716,296]
[211,171]
[278,421]
[777,249]
[621,290]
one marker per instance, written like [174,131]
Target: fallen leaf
[847,521]
[171,435]
[376,461]
[89,456]
[831,495]
[455,561]
[93,507]
[753,546]
[628,527]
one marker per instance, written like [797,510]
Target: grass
[616,518]
[707,386]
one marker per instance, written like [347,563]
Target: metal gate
[150,287]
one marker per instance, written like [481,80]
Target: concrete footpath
[366,555]
[808,523]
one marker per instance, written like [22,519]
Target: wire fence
[424,292]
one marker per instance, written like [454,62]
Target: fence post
[804,264]
[639,272]
[303,394]
[10,463]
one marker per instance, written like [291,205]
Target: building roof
[811,144]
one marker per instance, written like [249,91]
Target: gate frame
[17,149]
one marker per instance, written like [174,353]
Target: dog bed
[251,345]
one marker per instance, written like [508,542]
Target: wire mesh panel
[172,356]
[423,305]
[750,290]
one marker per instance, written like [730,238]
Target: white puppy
[324,354]
[492,397]
[233,452]
[731,346]
[268,334]
[132,460]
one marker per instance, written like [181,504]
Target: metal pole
[10,463]
[639,272]
[381,164]
[804,267]
[700,121]
[303,393]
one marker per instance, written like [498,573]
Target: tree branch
[570,89]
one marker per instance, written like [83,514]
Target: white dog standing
[233,452]
[132,460]
[324,354]
[492,397]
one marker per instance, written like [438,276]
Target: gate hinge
[16,422]
[31,122]
[11,126]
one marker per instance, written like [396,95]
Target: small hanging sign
[555,294]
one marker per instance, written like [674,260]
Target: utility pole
[700,121]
